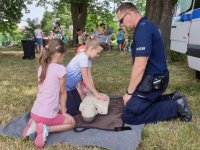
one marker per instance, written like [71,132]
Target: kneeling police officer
[144,102]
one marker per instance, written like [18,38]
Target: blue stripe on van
[196,13]
[187,17]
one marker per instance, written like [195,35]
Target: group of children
[57,100]
[105,34]
[57,33]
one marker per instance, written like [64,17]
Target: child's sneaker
[42,133]
[30,128]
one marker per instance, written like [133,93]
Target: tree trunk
[160,12]
[79,16]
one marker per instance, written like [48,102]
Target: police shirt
[147,41]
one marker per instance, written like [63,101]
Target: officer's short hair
[127,6]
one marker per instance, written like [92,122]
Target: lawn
[111,72]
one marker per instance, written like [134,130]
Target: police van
[185,32]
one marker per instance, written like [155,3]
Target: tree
[47,22]
[29,32]
[160,12]
[79,15]
[101,12]
[10,14]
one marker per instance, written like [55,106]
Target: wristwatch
[128,93]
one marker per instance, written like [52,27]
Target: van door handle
[173,26]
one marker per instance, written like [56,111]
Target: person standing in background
[108,32]
[38,38]
[58,32]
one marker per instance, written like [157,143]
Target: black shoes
[183,109]
[175,95]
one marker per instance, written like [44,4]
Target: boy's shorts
[39,41]
[120,42]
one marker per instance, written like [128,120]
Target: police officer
[144,102]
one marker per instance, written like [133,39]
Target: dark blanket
[111,121]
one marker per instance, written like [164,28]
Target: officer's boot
[175,95]
[183,109]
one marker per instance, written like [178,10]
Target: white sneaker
[30,128]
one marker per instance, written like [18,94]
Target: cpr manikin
[91,106]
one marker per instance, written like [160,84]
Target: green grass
[111,72]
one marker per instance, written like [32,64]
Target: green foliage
[11,38]
[141,5]
[29,32]
[101,12]
[175,56]
[17,36]
[104,11]
[5,39]
[10,14]
[47,22]
[61,13]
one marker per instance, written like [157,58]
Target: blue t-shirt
[102,38]
[120,36]
[73,70]
[147,41]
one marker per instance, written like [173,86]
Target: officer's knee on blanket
[91,106]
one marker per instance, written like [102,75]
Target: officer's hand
[126,98]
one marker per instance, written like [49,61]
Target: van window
[183,6]
[197,4]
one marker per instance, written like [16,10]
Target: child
[81,37]
[51,35]
[78,69]
[58,31]
[45,116]
[81,87]
[120,38]
[39,38]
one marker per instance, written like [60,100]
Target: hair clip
[92,36]
[57,47]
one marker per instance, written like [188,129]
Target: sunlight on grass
[111,73]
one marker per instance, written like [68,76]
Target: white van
[185,32]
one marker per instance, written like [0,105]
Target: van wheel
[198,75]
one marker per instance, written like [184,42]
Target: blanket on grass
[122,140]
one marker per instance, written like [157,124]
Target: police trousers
[149,107]
[73,102]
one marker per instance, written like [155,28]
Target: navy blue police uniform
[151,106]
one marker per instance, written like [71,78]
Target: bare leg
[41,48]
[38,48]
[42,130]
[109,47]
[120,47]
[69,124]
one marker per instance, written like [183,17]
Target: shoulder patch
[143,23]
[140,48]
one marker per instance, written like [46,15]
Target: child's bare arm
[89,83]
[90,76]
[63,95]
[87,80]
